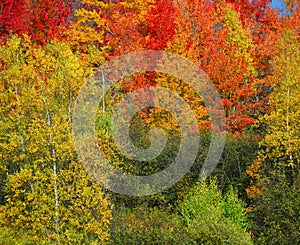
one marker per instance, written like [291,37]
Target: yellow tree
[47,191]
[113,26]
[82,33]
[279,157]
[275,174]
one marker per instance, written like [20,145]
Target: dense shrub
[13,236]
[276,215]
[204,216]
[147,226]
[210,218]
[238,155]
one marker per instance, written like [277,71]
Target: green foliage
[147,226]
[276,215]
[210,218]
[12,237]
[238,155]
[204,216]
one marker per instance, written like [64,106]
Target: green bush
[147,226]
[12,237]
[276,215]
[204,216]
[238,155]
[210,218]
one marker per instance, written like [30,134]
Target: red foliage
[41,19]
[128,33]
[185,26]
[161,24]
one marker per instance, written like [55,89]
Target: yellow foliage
[48,192]
[280,147]
[239,37]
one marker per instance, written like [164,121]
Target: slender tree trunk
[70,108]
[288,103]
[55,182]
[103,93]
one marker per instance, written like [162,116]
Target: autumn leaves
[49,49]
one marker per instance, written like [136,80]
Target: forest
[250,52]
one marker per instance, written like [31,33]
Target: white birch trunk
[55,182]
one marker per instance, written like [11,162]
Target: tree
[232,70]
[40,19]
[47,192]
[211,218]
[275,173]
[280,155]
[214,36]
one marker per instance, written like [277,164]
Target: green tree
[212,218]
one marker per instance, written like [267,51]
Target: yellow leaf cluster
[48,192]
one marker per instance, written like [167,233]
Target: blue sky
[279,4]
